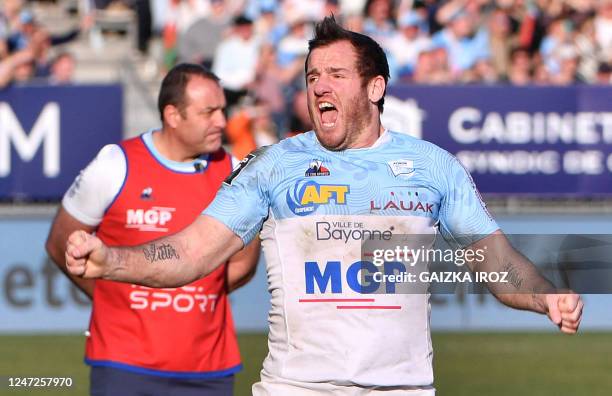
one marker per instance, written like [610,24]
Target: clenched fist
[86,255]
[565,310]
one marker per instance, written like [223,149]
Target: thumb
[553,310]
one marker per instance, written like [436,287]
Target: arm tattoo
[513,275]
[155,252]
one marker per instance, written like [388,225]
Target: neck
[368,137]
[170,147]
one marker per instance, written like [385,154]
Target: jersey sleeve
[243,200]
[96,186]
[464,218]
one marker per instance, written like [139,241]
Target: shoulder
[423,148]
[110,155]
[436,164]
[277,151]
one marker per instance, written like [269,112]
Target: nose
[321,86]
[219,119]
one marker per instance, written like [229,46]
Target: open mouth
[329,114]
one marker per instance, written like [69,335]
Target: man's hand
[565,310]
[86,255]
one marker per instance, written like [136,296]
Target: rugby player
[330,332]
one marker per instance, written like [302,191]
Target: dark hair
[371,59]
[172,91]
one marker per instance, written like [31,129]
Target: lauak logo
[316,168]
[394,202]
[305,197]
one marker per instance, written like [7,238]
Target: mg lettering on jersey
[152,219]
[359,277]
[305,197]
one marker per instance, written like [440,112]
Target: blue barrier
[48,134]
[36,298]
[515,140]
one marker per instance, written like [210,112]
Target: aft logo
[305,197]
[153,219]
[316,168]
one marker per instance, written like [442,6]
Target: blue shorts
[108,381]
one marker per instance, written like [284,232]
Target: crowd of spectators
[258,47]
[29,52]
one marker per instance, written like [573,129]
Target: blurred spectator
[604,74]
[236,60]
[464,42]
[568,67]
[520,67]
[500,40]
[144,23]
[379,21]
[588,50]
[28,27]
[354,22]
[62,69]
[269,82]
[556,42]
[16,68]
[485,72]
[432,67]
[406,45]
[294,44]
[541,74]
[199,42]
[300,121]
[249,128]
[603,28]
[9,22]
[332,7]
[179,16]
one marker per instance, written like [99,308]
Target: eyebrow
[212,108]
[337,69]
[329,70]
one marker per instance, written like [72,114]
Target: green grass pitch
[464,363]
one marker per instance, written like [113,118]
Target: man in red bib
[178,341]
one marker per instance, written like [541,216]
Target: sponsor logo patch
[402,167]
[305,197]
[316,168]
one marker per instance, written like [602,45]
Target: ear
[172,115]
[376,89]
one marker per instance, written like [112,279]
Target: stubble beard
[355,122]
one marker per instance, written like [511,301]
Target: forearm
[165,262]
[524,288]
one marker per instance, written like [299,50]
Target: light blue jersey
[314,209]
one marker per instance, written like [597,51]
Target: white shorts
[275,386]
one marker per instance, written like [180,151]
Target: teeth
[325,105]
